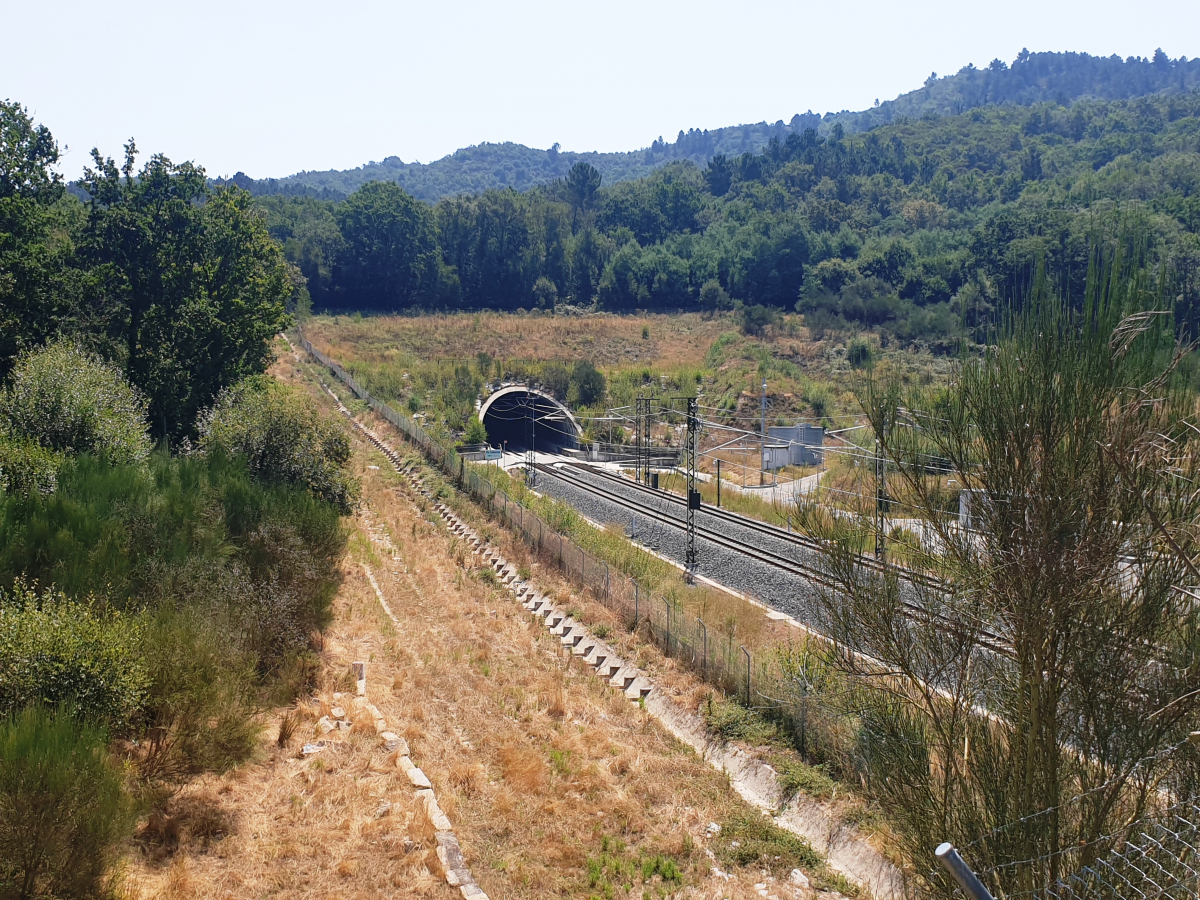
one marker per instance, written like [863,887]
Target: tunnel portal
[507,416]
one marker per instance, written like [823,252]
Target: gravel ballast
[786,592]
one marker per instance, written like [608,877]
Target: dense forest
[914,228]
[1033,78]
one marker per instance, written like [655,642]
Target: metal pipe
[961,872]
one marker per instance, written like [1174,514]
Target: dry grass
[607,340]
[537,764]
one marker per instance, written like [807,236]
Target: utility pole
[639,438]
[693,495]
[530,456]
[763,435]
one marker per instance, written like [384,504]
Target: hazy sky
[273,88]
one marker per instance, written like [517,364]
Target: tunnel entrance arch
[507,415]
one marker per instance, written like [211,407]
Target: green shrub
[797,777]
[733,722]
[55,651]
[859,353]
[200,702]
[753,839]
[66,400]
[476,432]
[27,467]
[62,810]
[283,437]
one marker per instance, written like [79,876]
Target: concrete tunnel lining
[506,412]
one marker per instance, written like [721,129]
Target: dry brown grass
[605,339]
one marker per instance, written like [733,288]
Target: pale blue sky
[272,88]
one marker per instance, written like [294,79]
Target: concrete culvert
[517,412]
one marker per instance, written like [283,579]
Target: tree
[34,298]
[187,280]
[587,384]
[713,297]
[389,257]
[719,175]
[583,181]
[1042,677]
[545,293]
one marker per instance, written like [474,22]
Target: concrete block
[554,619]
[639,689]
[360,677]
[596,654]
[624,678]
[449,854]
[436,816]
[416,777]
[611,667]
[472,891]
[583,646]
[394,743]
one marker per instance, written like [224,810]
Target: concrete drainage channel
[756,782]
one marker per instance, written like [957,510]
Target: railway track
[574,474]
[772,531]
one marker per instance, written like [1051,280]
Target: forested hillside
[914,228]
[1033,78]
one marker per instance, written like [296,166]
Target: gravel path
[788,593]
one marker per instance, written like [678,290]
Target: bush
[733,722]
[284,439]
[476,432]
[56,651]
[27,468]
[753,839]
[587,384]
[755,320]
[859,353]
[62,810]
[69,401]
[199,715]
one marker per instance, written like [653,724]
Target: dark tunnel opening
[507,419]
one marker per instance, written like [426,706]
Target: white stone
[325,724]
[798,878]
[338,712]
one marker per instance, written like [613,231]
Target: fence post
[704,659]
[961,872]
[747,653]
[607,591]
[667,606]
[637,596]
